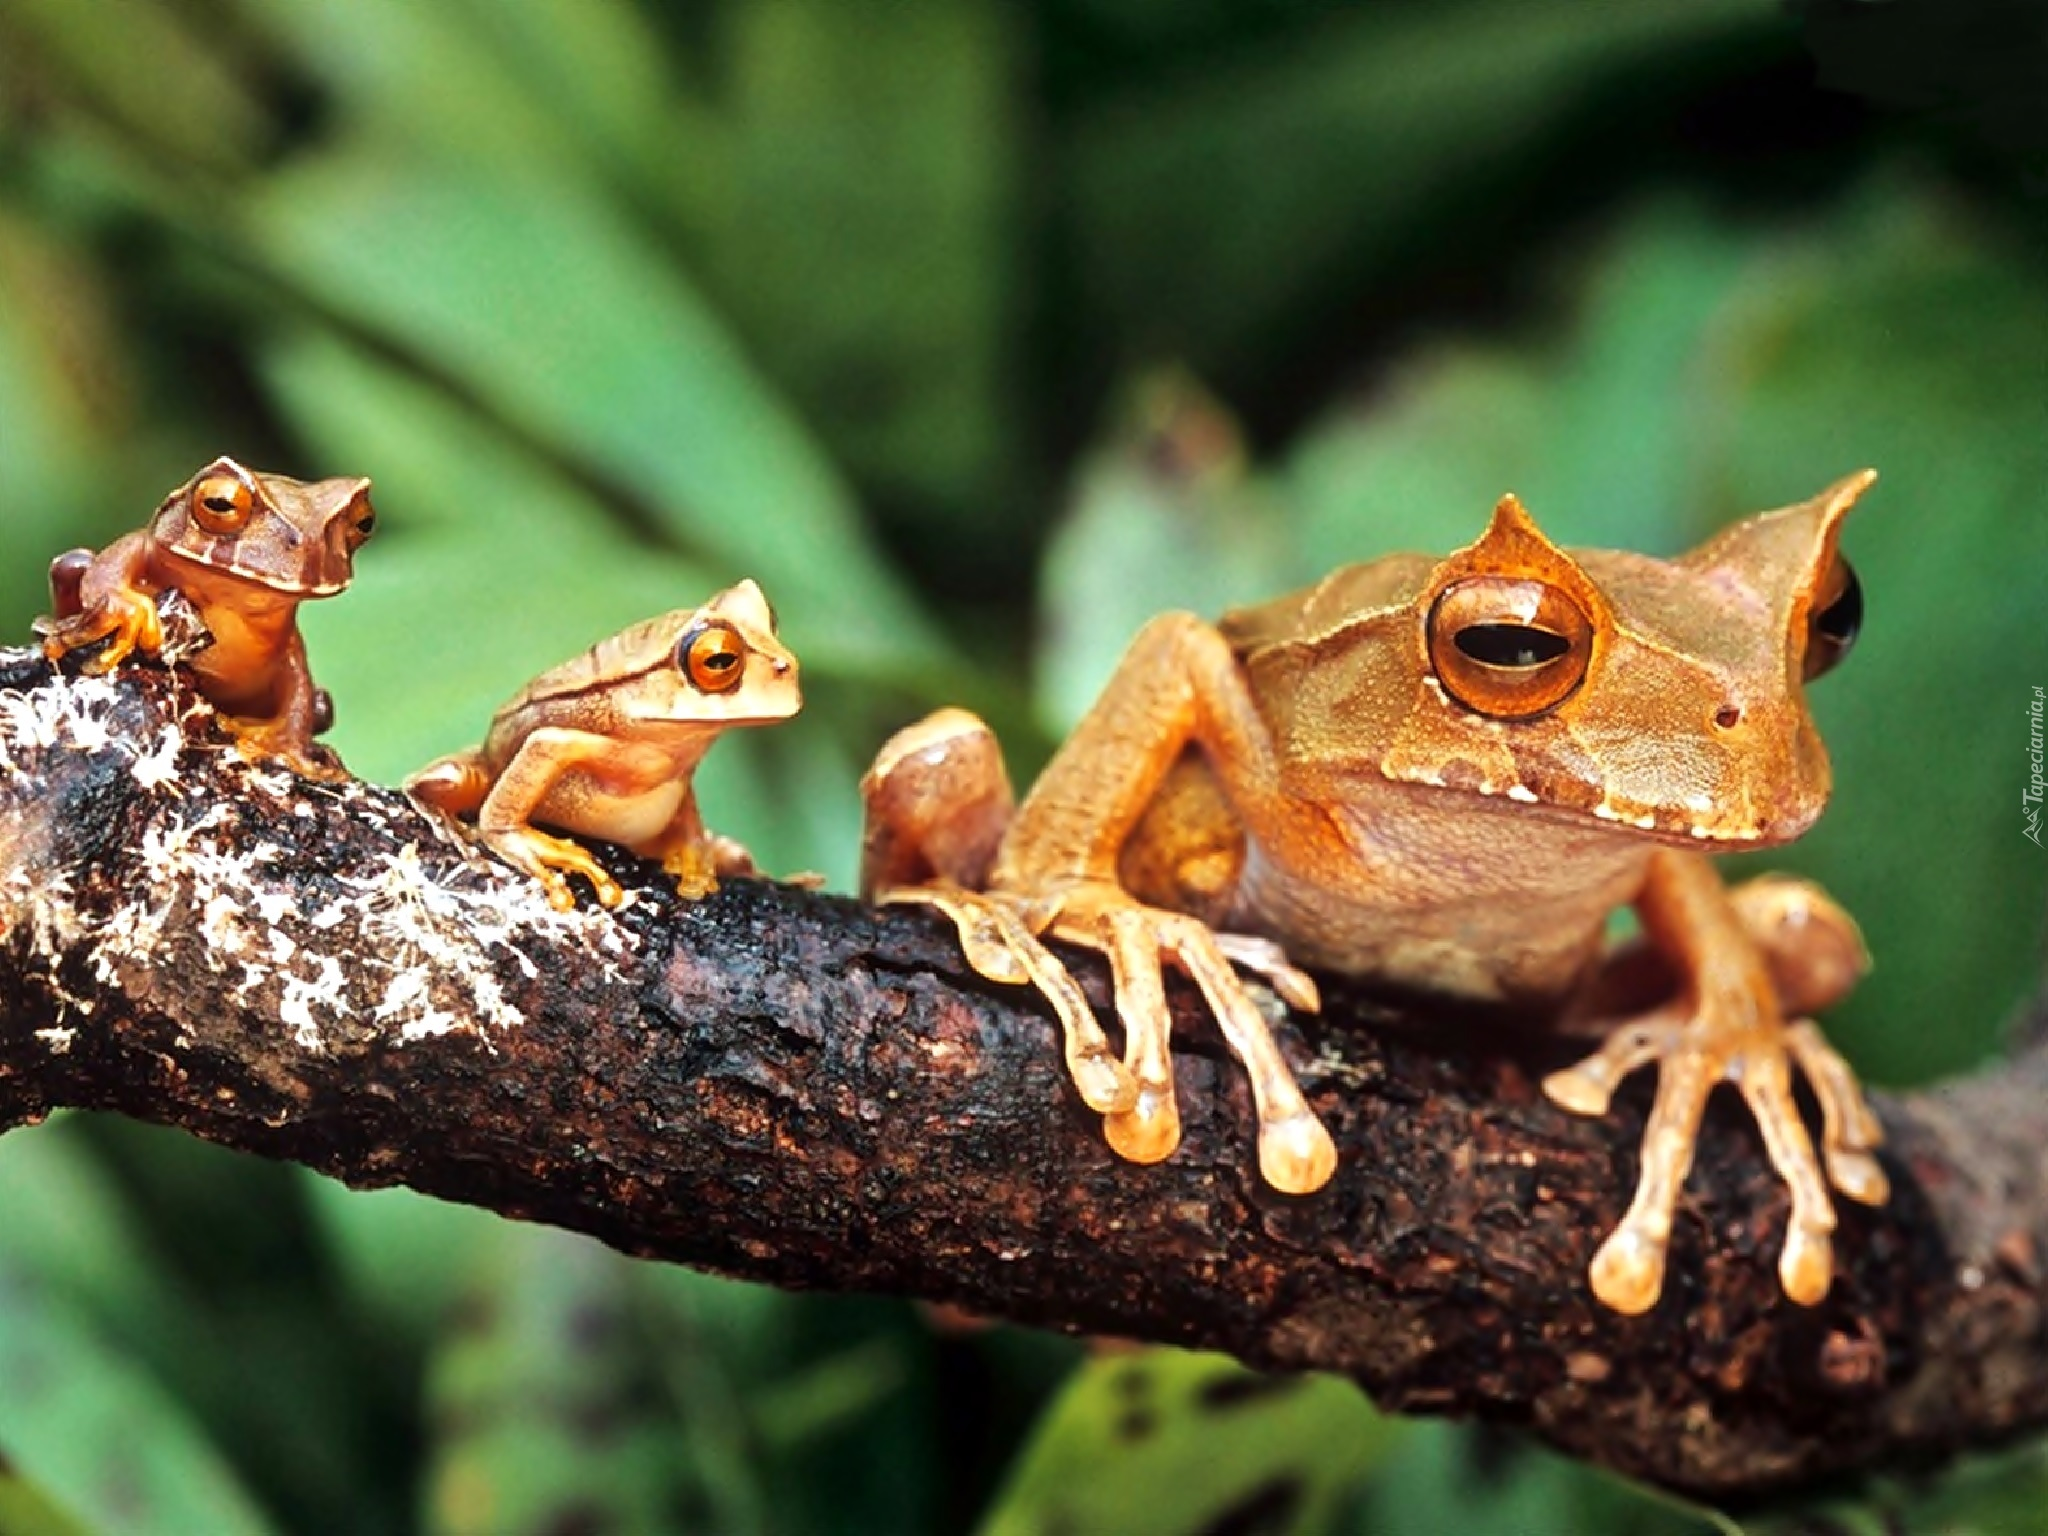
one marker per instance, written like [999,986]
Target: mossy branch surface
[782,1086]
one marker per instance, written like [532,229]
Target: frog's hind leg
[454,785]
[522,790]
[1728,1027]
[1815,955]
[938,802]
[695,857]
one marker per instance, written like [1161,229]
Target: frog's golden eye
[713,657]
[1832,623]
[221,504]
[1507,647]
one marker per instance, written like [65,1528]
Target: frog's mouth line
[212,564]
[1702,826]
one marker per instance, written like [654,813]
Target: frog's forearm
[1179,683]
[116,572]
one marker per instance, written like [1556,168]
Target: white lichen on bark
[428,949]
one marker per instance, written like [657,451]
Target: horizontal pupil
[718,661]
[1840,620]
[1510,645]
[219,504]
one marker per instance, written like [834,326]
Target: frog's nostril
[1728,716]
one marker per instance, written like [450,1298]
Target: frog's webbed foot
[272,741]
[1296,1154]
[999,932]
[125,619]
[1728,1037]
[696,864]
[550,860]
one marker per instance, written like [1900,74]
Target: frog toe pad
[1000,945]
[1695,1055]
[999,933]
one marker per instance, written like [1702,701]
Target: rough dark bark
[785,1087]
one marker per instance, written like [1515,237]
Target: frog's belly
[1498,909]
[633,819]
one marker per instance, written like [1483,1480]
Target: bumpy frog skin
[604,746]
[1445,774]
[245,549]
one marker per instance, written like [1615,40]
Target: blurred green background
[977,331]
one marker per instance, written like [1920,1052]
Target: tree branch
[784,1087]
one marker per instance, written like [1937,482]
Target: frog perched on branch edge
[1442,774]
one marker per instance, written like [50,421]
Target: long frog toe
[1296,1154]
[1850,1132]
[548,859]
[1000,945]
[1263,958]
[1149,1131]
[694,870]
[1588,1087]
[1728,1040]
[1627,1273]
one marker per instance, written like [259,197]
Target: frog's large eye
[360,529]
[221,504]
[1832,623]
[713,657]
[1507,647]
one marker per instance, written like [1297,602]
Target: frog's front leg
[99,598]
[286,736]
[938,802]
[695,856]
[521,791]
[1055,874]
[1729,1026]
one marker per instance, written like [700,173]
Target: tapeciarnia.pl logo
[2030,797]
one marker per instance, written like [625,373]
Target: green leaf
[70,1227]
[545,1410]
[1993,1494]
[402,1256]
[1164,517]
[614,363]
[580,84]
[1168,1442]
[26,1511]
[168,85]
[64,393]
[98,1435]
[1598,431]
[1455,1480]
[890,124]
[1215,203]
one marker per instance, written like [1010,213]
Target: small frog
[604,746]
[245,549]
[1444,774]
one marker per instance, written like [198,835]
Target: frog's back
[1346,595]
[630,653]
